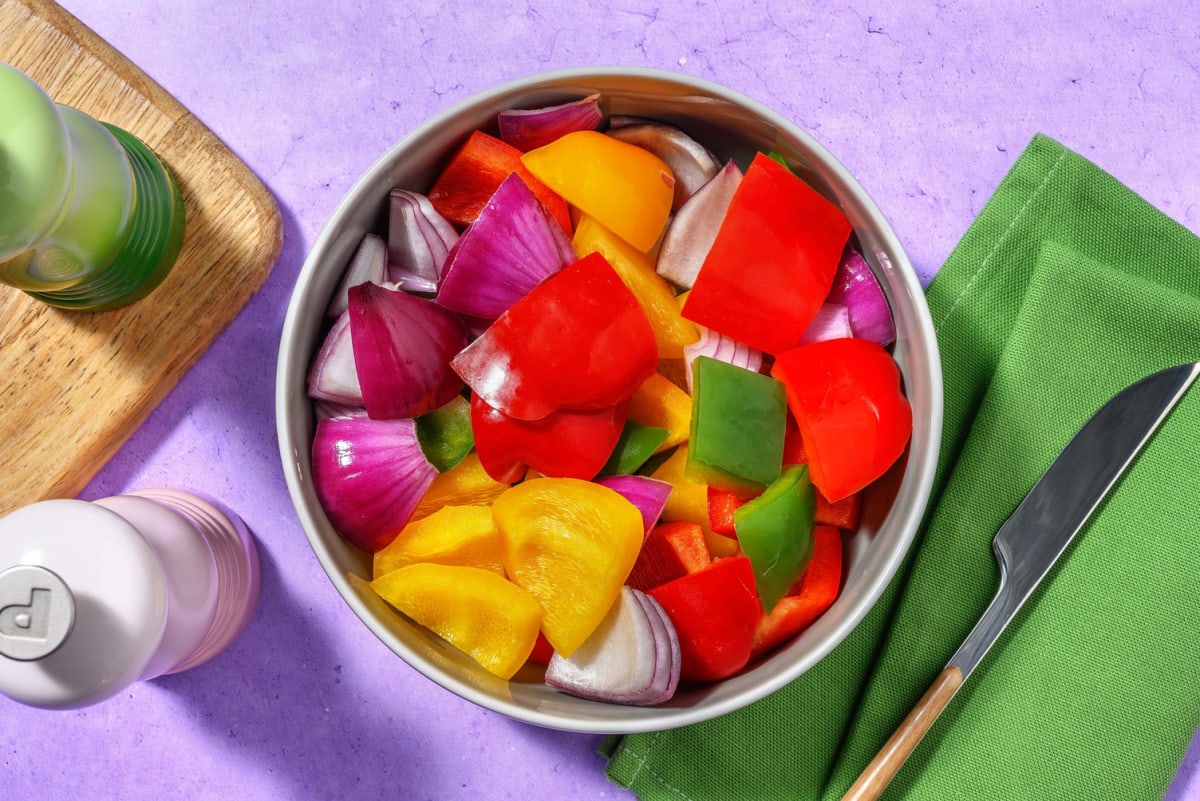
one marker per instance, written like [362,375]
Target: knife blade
[1033,538]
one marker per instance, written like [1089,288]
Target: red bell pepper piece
[476,171]
[671,550]
[815,592]
[715,612]
[773,260]
[844,513]
[852,414]
[542,651]
[793,444]
[579,340]
[721,506]
[563,444]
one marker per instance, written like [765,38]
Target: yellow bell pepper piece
[654,294]
[482,614]
[465,484]
[453,535]
[571,544]
[628,189]
[659,403]
[688,501]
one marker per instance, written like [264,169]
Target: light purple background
[927,103]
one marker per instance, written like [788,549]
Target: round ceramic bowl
[732,126]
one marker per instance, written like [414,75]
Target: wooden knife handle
[871,783]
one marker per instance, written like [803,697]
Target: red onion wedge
[623,661]
[691,233]
[402,351]
[666,641]
[512,247]
[419,238]
[332,376]
[649,495]
[369,263]
[856,288]
[528,129]
[831,322]
[719,346]
[369,476]
[691,163]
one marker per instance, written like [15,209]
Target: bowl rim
[292,370]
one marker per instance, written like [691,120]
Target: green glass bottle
[90,218]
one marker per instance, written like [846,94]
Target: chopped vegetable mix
[598,404]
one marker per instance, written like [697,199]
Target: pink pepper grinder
[97,595]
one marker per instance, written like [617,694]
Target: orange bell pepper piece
[689,501]
[659,403]
[627,189]
[486,616]
[653,293]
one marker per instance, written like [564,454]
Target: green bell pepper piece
[635,446]
[775,531]
[445,434]
[738,422]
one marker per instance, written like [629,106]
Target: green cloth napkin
[1067,288]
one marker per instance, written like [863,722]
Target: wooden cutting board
[74,386]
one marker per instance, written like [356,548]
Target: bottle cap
[36,181]
[37,612]
[83,604]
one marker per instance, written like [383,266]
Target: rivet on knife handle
[1032,539]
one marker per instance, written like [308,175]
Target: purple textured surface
[927,103]
[1186,784]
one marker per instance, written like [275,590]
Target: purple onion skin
[369,476]
[856,288]
[402,351]
[512,247]
[529,129]
[649,495]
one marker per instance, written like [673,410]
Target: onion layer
[666,641]
[832,321]
[626,660]
[691,163]
[332,376]
[368,264]
[402,351]
[512,247]
[419,238]
[649,495]
[527,129]
[691,233]
[719,346]
[369,476]
[856,288]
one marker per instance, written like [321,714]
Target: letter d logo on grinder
[37,612]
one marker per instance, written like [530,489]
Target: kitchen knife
[1032,539]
